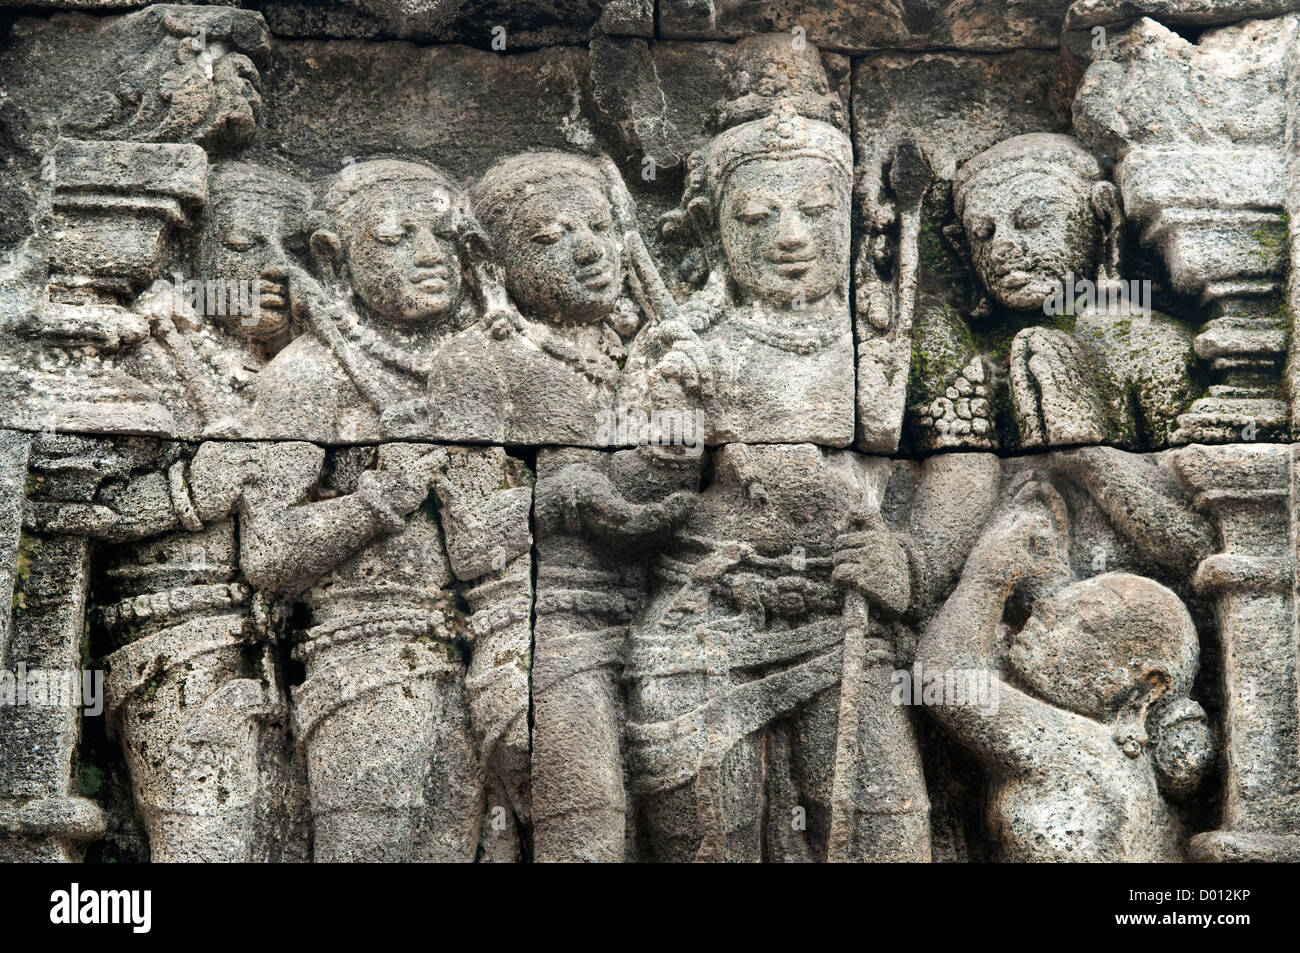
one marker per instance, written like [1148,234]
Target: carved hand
[872,561]
[595,504]
[1027,542]
[685,359]
[405,476]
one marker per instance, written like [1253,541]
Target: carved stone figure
[218,325]
[545,370]
[734,655]
[1044,229]
[829,381]
[1106,664]
[189,685]
[599,517]
[388,656]
[390,246]
[770,199]
[404,693]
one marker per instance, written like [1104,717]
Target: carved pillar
[40,818]
[1200,135]
[114,209]
[1252,491]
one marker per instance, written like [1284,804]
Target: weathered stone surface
[863,27]
[917,117]
[727,619]
[1203,167]
[406,574]
[316,314]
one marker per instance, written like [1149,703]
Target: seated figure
[1092,726]
[1041,221]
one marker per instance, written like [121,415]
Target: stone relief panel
[300,646]
[691,432]
[212,252]
[699,643]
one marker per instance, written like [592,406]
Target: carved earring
[1131,742]
[1131,725]
[1130,729]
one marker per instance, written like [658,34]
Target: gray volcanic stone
[615,431]
[864,27]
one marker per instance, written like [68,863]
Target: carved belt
[351,657]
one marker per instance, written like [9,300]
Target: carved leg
[583,609]
[701,786]
[385,724]
[579,806]
[187,713]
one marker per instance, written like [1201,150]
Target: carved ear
[1159,682]
[327,249]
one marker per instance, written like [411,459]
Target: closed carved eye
[239,241]
[983,230]
[548,235]
[1031,217]
[817,204]
[390,233]
[753,210]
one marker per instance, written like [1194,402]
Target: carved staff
[884,360]
[647,284]
[321,318]
[909,177]
[856,618]
[879,809]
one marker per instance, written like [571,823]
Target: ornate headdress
[782,135]
[769,70]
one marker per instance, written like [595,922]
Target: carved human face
[242,239]
[401,253]
[785,229]
[1024,238]
[562,254]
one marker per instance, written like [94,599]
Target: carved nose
[588,250]
[427,250]
[793,232]
[1002,252]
